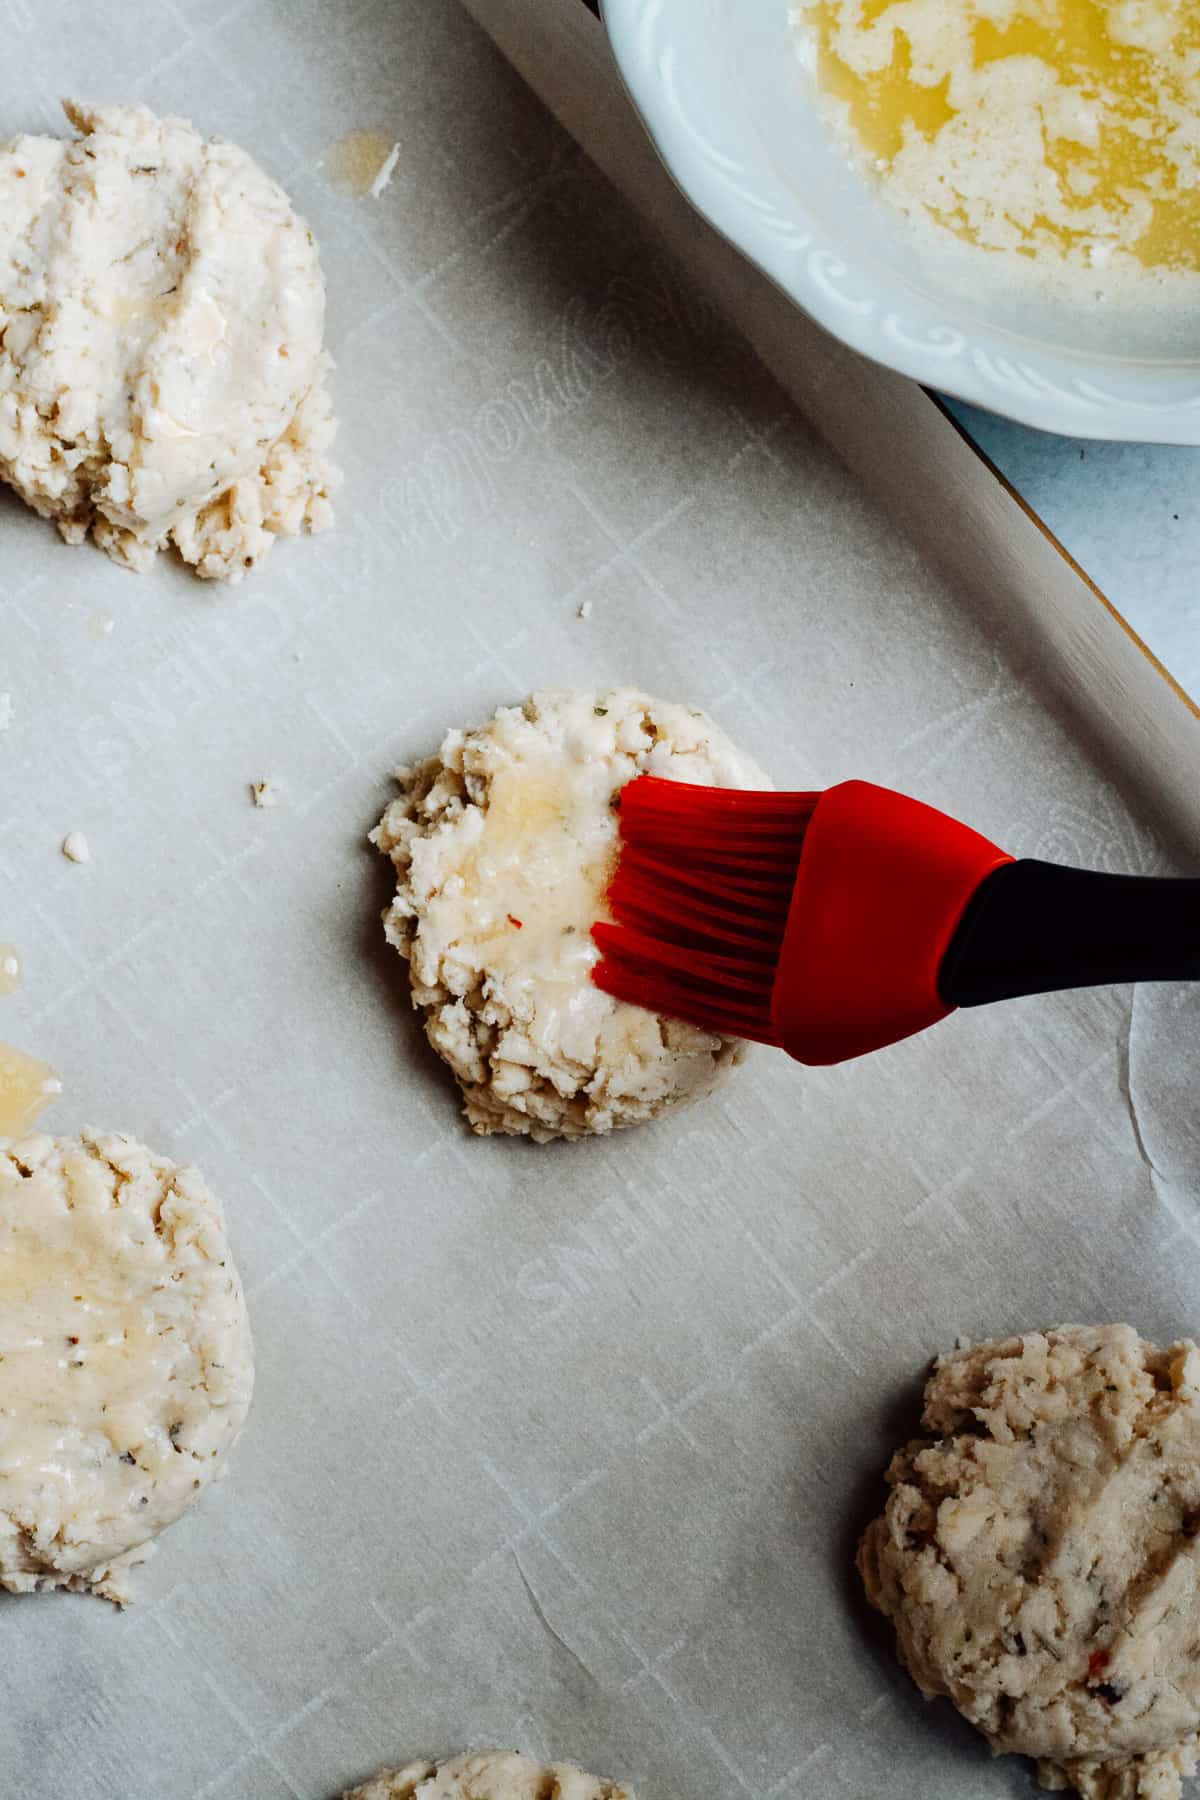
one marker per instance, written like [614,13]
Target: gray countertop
[1125,512]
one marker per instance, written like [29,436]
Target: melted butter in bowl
[815,135]
[1059,130]
[27,1087]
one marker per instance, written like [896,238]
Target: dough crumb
[1039,1554]
[264,793]
[163,381]
[76,848]
[585,610]
[386,170]
[504,844]
[488,1775]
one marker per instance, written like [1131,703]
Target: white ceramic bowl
[735,118]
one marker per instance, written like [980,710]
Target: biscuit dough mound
[1039,1558]
[488,1775]
[126,1365]
[162,379]
[504,844]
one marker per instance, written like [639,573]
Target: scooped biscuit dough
[126,1364]
[1038,1555]
[162,378]
[504,844]
[488,1775]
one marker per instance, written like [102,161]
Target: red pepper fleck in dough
[517,922]
[1098,1660]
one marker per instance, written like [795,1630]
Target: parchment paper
[564,1448]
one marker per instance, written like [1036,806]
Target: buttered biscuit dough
[488,1775]
[1038,1554]
[504,844]
[161,372]
[125,1357]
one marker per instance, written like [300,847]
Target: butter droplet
[10,969]
[26,1089]
[362,161]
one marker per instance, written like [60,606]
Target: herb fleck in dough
[488,1775]
[126,1364]
[504,844]
[162,379]
[1039,1558]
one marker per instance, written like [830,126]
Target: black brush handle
[1033,927]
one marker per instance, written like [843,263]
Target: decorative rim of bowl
[719,172]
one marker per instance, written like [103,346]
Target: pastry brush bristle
[700,902]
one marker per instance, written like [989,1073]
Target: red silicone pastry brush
[835,923]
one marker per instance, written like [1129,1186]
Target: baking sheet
[560,1447]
